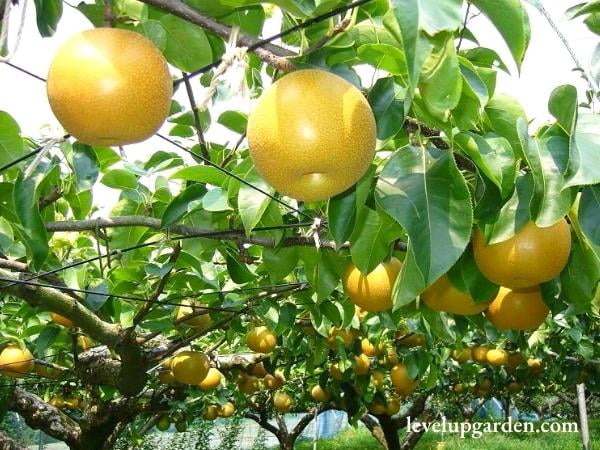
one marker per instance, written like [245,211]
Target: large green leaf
[385,57]
[251,203]
[423,190]
[503,112]
[589,213]
[584,158]
[11,143]
[187,200]
[563,106]
[341,215]
[119,179]
[547,158]
[34,231]
[387,101]
[580,278]
[372,238]
[441,81]
[201,174]
[513,215]
[467,277]
[48,13]
[85,165]
[511,20]
[493,155]
[187,46]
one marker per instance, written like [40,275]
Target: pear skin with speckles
[312,135]
[109,87]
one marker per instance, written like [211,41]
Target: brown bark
[7,443]
[40,415]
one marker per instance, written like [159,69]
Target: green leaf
[511,20]
[234,120]
[239,273]
[467,277]
[563,106]
[187,47]
[403,22]
[580,278]
[484,57]
[280,262]
[11,143]
[119,179]
[216,200]
[589,213]
[201,174]
[45,339]
[547,159]
[85,165]
[48,13]
[34,231]
[372,238]
[503,112]
[423,190]
[341,215]
[384,57]
[155,32]
[493,155]
[98,299]
[584,158]
[322,270]
[387,101]
[441,79]
[251,203]
[513,215]
[187,200]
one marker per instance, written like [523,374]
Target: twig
[197,125]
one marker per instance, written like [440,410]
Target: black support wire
[26,156]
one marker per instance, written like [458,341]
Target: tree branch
[263,422]
[40,415]
[186,230]
[7,443]
[272,54]
[60,303]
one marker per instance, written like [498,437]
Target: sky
[546,66]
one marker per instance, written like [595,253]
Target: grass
[361,439]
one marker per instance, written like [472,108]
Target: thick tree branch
[373,426]
[17,266]
[40,415]
[132,376]
[59,302]
[263,422]
[274,55]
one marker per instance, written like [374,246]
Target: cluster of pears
[362,365]
[519,265]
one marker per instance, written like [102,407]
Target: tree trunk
[412,437]
[390,431]
[285,442]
